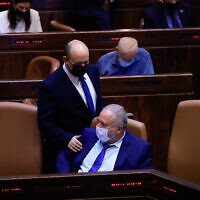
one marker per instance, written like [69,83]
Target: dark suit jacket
[154,17]
[85,7]
[88,15]
[134,153]
[61,111]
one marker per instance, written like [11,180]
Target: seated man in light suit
[128,59]
[108,147]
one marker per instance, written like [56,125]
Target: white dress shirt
[34,27]
[77,84]
[109,158]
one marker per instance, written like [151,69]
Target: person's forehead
[79,55]
[106,116]
[23,4]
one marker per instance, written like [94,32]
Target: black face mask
[171,7]
[79,70]
[21,14]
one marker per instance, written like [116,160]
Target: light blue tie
[88,97]
[173,21]
[98,162]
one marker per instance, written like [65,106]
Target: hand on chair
[74,144]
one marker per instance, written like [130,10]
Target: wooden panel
[171,50]
[47,16]
[103,39]
[131,184]
[150,84]
[152,100]
[18,90]
[17,62]
[127,18]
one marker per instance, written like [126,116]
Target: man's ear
[120,128]
[64,58]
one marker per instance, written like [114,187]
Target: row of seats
[21,148]
[20,140]
[40,67]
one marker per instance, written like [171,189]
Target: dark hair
[12,15]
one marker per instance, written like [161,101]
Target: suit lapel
[95,82]
[122,153]
[82,154]
[181,13]
[93,79]
[75,96]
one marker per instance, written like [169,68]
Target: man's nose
[23,10]
[99,125]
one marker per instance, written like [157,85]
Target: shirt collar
[115,60]
[73,78]
[118,143]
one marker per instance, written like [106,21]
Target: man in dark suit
[63,107]
[169,14]
[89,14]
[108,147]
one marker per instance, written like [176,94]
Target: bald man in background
[128,59]
[63,110]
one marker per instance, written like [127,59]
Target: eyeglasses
[80,64]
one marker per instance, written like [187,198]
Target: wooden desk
[172,51]
[152,100]
[141,184]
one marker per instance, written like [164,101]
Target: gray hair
[120,115]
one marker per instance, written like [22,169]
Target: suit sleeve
[35,22]
[148,65]
[65,157]
[47,119]
[146,158]
[148,22]
[63,161]
[96,78]
[38,23]
[192,18]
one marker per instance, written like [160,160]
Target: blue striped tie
[97,163]
[88,97]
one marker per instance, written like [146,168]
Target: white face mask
[102,134]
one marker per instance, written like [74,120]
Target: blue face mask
[124,64]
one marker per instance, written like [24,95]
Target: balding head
[76,57]
[127,48]
[77,52]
